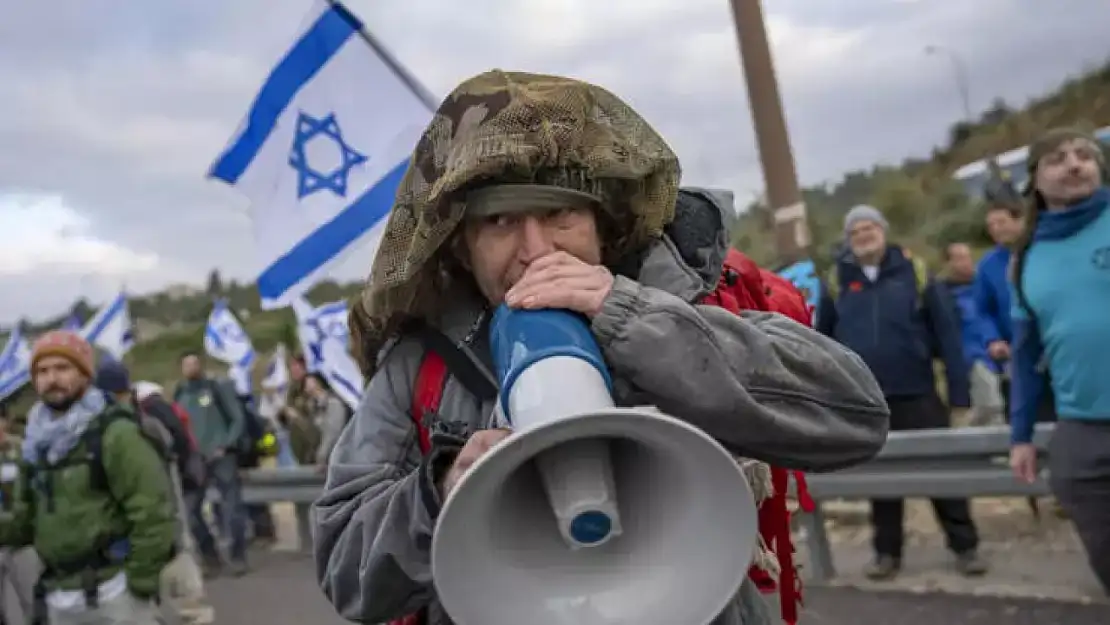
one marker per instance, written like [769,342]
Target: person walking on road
[1061,288]
[95,501]
[881,302]
[328,412]
[10,458]
[975,331]
[1005,223]
[218,421]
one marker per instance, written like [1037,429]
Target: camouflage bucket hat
[504,128]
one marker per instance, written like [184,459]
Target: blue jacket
[992,295]
[1066,332]
[975,330]
[895,330]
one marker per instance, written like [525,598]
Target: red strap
[427,394]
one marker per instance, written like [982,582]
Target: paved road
[281,592]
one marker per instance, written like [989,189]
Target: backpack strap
[1018,269]
[458,363]
[94,448]
[218,397]
[920,276]
[427,393]
[442,358]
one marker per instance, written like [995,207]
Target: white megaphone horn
[588,514]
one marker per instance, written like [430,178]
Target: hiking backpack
[743,285]
[175,420]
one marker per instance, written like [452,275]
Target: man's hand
[1023,462]
[560,280]
[999,351]
[476,447]
[219,452]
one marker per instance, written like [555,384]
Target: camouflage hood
[510,127]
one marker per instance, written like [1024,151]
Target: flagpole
[391,61]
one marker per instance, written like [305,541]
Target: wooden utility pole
[792,237]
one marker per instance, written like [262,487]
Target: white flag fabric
[226,341]
[324,336]
[15,364]
[275,383]
[110,328]
[277,371]
[321,152]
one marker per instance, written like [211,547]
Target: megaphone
[588,514]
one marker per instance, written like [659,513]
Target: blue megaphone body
[538,353]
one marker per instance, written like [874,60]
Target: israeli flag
[110,328]
[277,372]
[15,364]
[322,150]
[226,341]
[326,342]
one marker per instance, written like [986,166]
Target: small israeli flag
[322,150]
[110,328]
[226,341]
[277,372]
[15,364]
[325,339]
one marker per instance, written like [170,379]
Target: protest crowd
[529,192]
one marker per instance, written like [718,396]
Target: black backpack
[255,429]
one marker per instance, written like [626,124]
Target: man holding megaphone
[538,218]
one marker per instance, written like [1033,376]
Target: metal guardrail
[297,485]
[958,463]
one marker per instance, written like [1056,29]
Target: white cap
[144,389]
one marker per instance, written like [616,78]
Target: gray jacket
[765,386]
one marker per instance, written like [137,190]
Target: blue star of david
[310,180]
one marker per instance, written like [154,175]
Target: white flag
[277,372]
[322,151]
[110,328]
[325,339]
[15,364]
[226,341]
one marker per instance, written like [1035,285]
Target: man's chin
[59,404]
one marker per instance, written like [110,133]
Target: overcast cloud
[110,118]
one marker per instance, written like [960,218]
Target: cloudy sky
[111,115]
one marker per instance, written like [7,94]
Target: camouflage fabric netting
[510,127]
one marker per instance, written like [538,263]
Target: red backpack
[743,286]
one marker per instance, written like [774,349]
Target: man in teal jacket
[217,420]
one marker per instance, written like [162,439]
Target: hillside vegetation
[924,207]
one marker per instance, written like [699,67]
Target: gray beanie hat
[863,212]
